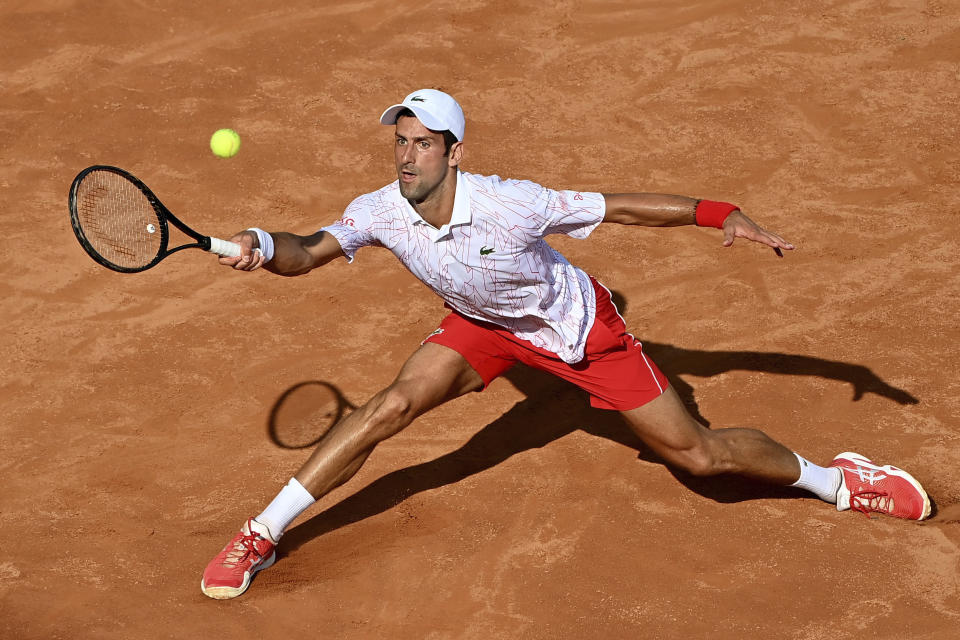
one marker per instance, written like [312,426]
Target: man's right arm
[293,254]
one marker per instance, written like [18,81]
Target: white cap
[435,109]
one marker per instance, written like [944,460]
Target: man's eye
[424,145]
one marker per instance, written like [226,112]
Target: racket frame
[163,216]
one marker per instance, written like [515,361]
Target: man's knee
[389,411]
[700,463]
[703,459]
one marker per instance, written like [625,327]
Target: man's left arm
[661,210]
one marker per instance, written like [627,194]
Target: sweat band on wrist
[712,214]
[266,243]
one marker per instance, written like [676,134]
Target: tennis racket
[123,226]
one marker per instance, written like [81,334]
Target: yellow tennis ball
[225,143]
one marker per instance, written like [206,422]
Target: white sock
[292,500]
[823,481]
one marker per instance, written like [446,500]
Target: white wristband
[266,243]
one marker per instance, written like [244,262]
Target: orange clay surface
[144,417]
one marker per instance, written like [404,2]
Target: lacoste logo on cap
[417,99]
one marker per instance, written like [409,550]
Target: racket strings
[118,220]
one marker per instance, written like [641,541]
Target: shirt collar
[461,209]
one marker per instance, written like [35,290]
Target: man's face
[419,155]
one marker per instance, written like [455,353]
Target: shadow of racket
[305,412]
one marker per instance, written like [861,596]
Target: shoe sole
[225,593]
[856,457]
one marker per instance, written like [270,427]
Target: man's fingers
[738,225]
[729,234]
[775,242]
[256,260]
[250,257]
[755,234]
[783,244]
[778,244]
[253,261]
[246,248]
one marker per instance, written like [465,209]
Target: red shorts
[614,371]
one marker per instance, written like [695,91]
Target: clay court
[146,416]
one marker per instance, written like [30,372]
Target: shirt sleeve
[353,229]
[572,213]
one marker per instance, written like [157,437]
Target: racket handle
[224,248]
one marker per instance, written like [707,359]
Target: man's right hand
[250,257]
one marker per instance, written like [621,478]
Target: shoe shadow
[554,408]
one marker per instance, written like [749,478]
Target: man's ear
[456,154]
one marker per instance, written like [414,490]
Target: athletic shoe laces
[868,501]
[242,549]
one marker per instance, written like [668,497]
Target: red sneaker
[869,488]
[228,575]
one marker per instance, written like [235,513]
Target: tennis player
[480,243]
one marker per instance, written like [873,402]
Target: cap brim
[390,117]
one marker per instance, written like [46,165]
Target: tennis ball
[225,143]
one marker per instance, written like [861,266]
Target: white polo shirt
[491,261]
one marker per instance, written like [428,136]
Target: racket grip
[224,248]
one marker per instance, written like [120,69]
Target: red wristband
[712,214]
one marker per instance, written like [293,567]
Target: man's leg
[433,375]
[670,431]
[851,481]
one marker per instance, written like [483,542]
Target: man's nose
[406,154]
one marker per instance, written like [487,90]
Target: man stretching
[479,243]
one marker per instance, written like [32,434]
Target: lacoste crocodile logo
[484,251]
[417,99]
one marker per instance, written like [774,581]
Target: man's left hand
[738,225]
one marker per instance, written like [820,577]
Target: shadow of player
[554,408]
